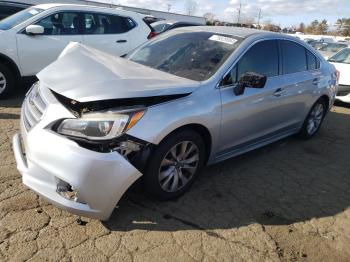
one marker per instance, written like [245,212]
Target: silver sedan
[94,123]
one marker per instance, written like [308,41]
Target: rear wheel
[174,165]
[7,81]
[314,120]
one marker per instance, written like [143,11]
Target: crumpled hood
[85,74]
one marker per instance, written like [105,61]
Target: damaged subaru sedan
[95,123]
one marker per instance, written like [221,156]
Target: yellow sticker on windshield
[223,39]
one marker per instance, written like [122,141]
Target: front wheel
[314,120]
[174,165]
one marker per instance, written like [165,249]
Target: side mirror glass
[250,79]
[34,30]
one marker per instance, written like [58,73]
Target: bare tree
[191,7]
[209,18]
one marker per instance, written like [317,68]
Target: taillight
[337,75]
[152,34]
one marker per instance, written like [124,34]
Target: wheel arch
[202,131]
[11,64]
[326,99]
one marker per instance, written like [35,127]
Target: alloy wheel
[178,166]
[2,82]
[315,119]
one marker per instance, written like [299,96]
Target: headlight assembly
[100,125]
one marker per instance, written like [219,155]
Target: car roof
[91,7]
[228,30]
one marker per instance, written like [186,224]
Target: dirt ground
[289,201]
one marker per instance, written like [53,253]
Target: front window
[254,60]
[64,23]
[195,55]
[342,57]
[19,17]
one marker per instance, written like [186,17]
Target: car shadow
[283,183]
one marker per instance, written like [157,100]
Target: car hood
[85,74]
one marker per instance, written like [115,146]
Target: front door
[253,116]
[37,52]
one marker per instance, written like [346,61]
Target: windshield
[193,55]
[160,27]
[342,57]
[19,17]
[333,47]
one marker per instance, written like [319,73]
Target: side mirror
[249,79]
[34,30]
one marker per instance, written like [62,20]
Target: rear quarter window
[312,61]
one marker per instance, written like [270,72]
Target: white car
[33,38]
[341,61]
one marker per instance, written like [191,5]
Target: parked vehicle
[8,8]
[189,97]
[317,44]
[309,40]
[34,37]
[166,25]
[331,49]
[341,61]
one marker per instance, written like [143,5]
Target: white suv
[33,38]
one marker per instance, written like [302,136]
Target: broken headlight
[100,125]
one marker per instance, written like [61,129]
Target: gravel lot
[287,201]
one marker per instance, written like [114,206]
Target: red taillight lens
[152,34]
[337,74]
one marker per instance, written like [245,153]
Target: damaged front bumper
[77,179]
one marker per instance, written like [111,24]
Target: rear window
[195,55]
[160,27]
[98,23]
[294,57]
[19,17]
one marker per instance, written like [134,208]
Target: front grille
[33,108]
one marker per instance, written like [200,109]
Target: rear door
[301,77]
[108,32]
[37,52]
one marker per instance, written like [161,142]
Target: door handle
[278,92]
[121,41]
[316,81]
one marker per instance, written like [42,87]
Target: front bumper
[46,159]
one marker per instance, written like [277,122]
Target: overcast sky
[284,12]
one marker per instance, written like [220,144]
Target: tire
[7,82]
[160,169]
[316,116]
